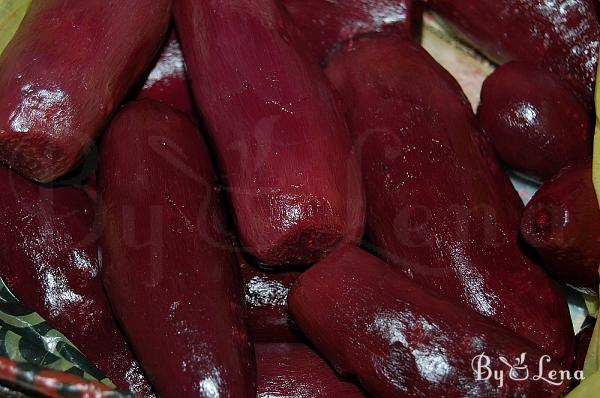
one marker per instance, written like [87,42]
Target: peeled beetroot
[65,71]
[167,82]
[562,222]
[325,23]
[438,207]
[49,260]
[170,273]
[266,302]
[280,138]
[402,341]
[535,122]
[560,35]
[294,370]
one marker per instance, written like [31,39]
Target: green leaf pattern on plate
[25,337]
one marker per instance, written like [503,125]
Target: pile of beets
[292,198]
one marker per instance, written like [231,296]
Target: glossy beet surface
[325,23]
[534,121]
[400,340]
[562,222]
[282,142]
[438,207]
[68,67]
[167,82]
[560,35]
[266,302]
[169,272]
[49,259]
[294,370]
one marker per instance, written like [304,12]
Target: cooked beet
[560,35]
[280,138]
[325,23]
[535,122]
[294,370]
[266,301]
[170,274]
[562,222]
[438,208]
[167,82]
[402,341]
[89,186]
[66,70]
[49,260]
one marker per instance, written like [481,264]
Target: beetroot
[325,23]
[560,35]
[170,274]
[535,122]
[66,70]
[294,370]
[402,341]
[49,260]
[167,82]
[266,301]
[280,138]
[438,209]
[562,222]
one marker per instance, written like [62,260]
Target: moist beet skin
[559,35]
[535,122]
[266,302]
[171,276]
[325,24]
[402,341]
[562,222]
[439,209]
[295,370]
[49,260]
[167,82]
[280,137]
[65,71]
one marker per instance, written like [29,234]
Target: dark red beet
[171,276]
[436,210]
[266,302]
[534,121]
[68,67]
[562,222]
[402,341]
[560,35]
[325,23]
[89,186]
[49,259]
[282,142]
[294,370]
[167,82]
